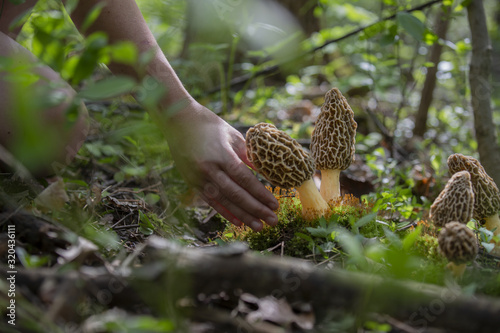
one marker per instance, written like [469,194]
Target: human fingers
[244,177]
[233,214]
[233,196]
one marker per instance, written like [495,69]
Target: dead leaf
[53,197]
[277,311]
[79,251]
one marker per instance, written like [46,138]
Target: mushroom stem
[313,205]
[492,222]
[456,269]
[330,184]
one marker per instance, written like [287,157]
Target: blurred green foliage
[383,67]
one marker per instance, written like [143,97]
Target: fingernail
[272,220]
[274,206]
[256,226]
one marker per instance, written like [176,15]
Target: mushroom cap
[486,193]
[278,157]
[457,243]
[333,138]
[455,202]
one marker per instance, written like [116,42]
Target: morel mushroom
[486,193]
[459,245]
[332,144]
[455,202]
[284,163]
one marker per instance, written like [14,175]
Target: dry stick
[272,70]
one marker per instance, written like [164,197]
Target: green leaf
[124,52]
[411,24]
[364,220]
[17,2]
[108,88]
[305,237]
[488,246]
[152,198]
[145,225]
[92,16]
[430,38]
[411,238]
[485,234]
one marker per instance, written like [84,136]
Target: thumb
[240,149]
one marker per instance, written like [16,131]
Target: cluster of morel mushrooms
[469,193]
[285,163]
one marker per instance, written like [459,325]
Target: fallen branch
[173,275]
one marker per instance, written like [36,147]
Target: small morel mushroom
[332,144]
[284,163]
[455,202]
[459,245]
[486,193]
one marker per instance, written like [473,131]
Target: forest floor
[81,239]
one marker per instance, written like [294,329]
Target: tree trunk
[480,87]
[441,27]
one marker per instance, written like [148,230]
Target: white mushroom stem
[313,205]
[456,269]
[330,184]
[491,223]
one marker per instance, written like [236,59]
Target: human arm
[209,152]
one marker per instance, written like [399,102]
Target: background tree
[441,25]
[480,87]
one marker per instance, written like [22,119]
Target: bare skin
[210,153]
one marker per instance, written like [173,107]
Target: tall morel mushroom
[284,163]
[486,193]
[455,202]
[332,144]
[459,245]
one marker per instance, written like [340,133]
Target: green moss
[292,230]
[426,246]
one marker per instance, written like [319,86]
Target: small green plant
[299,237]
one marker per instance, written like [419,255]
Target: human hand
[211,156]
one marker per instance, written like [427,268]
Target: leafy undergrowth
[123,188]
[358,236]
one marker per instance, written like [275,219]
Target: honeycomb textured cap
[457,243]
[278,157]
[486,193]
[334,135]
[455,202]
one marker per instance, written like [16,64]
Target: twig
[120,220]
[126,226]
[282,244]
[327,260]
[399,325]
